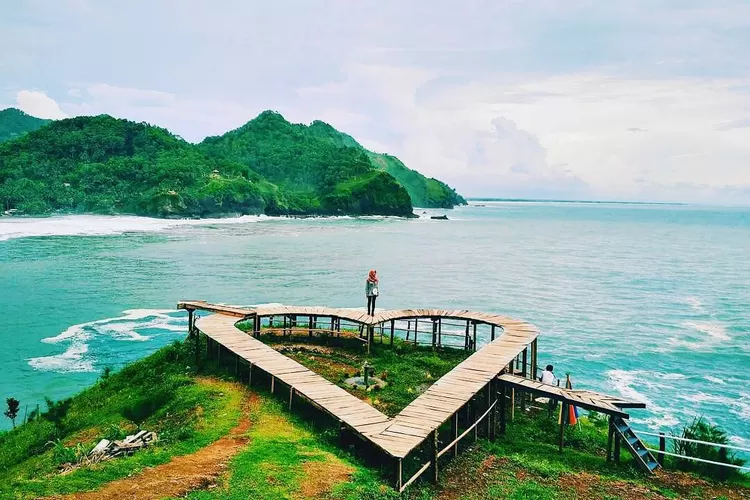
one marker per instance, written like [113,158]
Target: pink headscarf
[373,276]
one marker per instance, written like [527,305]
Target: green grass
[407,369]
[160,390]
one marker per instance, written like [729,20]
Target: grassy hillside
[14,123]
[217,439]
[424,192]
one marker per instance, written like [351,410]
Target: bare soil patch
[322,476]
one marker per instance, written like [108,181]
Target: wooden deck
[396,436]
[588,400]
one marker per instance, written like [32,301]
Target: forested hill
[14,123]
[106,165]
[424,191]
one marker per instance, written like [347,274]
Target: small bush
[701,430]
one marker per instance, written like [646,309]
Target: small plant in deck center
[12,411]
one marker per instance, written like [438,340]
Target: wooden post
[399,475]
[333,321]
[610,436]
[475,336]
[533,359]
[434,333]
[218,353]
[309,326]
[236,364]
[454,432]
[434,456]
[503,402]
[250,375]
[617,447]
[493,413]
[256,326]
[563,419]
[291,396]
[474,417]
[191,322]
[197,349]
[466,340]
[487,402]
[524,363]
[393,329]
[492,334]
[416,328]
[512,404]
[408,329]
[286,319]
[273,383]
[440,332]
[662,449]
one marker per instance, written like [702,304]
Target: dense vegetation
[106,165]
[424,192]
[14,123]
[316,175]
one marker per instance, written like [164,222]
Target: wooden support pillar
[236,364]
[617,447]
[256,326]
[250,374]
[610,436]
[662,449]
[524,363]
[512,404]
[393,329]
[434,456]
[492,334]
[291,396]
[440,332]
[309,326]
[502,403]
[466,339]
[218,352]
[493,413]
[273,383]
[475,337]
[416,330]
[333,322]
[286,320]
[487,402]
[533,358]
[473,404]
[191,322]
[408,329]
[399,475]
[454,432]
[434,332]
[197,349]
[563,422]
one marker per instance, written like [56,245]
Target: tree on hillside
[12,412]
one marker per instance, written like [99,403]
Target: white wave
[653,422]
[79,331]
[102,225]
[695,304]
[132,326]
[623,381]
[72,360]
[714,380]
[710,334]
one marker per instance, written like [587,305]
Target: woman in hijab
[371,291]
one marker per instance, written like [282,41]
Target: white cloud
[39,104]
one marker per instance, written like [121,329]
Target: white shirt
[548,377]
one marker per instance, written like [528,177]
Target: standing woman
[371,290]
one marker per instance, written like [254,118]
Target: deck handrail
[697,441]
[702,460]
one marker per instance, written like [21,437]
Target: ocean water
[649,302]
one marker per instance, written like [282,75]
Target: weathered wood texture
[588,400]
[396,436]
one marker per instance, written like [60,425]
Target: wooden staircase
[642,456]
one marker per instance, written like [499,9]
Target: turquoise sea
[648,301]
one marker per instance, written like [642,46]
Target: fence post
[434,456]
[662,449]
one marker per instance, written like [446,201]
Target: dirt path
[181,474]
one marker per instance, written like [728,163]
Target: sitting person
[548,376]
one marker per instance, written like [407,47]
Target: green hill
[424,191]
[14,123]
[316,174]
[102,164]
[106,165]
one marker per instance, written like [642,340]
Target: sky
[617,100]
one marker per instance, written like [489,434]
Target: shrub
[12,411]
[701,430]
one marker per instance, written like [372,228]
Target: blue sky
[636,100]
